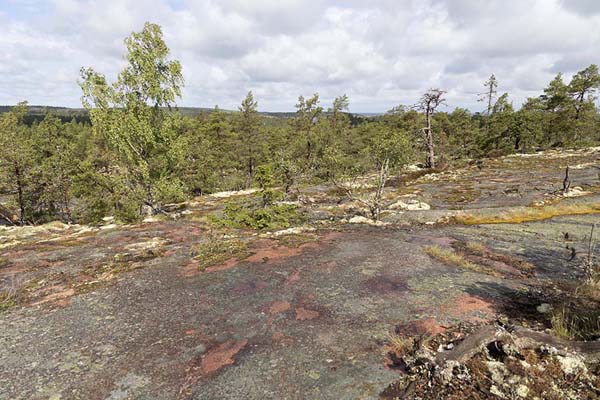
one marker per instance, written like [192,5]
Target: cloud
[381,53]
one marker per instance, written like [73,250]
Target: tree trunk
[430,162]
[20,199]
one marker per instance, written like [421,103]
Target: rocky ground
[322,311]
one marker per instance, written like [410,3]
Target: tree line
[139,154]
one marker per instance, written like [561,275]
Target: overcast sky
[380,52]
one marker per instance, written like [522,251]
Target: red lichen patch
[466,304]
[303,314]
[496,265]
[279,307]
[274,253]
[295,277]
[221,356]
[249,287]
[422,327]
[191,269]
[170,252]
[386,285]
[269,250]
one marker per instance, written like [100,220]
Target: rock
[447,372]
[359,219]
[575,192]
[496,392]
[147,210]
[314,375]
[571,364]
[522,391]
[498,371]
[289,231]
[227,194]
[544,308]
[410,205]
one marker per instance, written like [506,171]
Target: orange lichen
[221,356]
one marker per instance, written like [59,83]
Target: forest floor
[137,312]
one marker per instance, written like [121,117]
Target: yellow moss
[528,214]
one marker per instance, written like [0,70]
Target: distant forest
[129,151]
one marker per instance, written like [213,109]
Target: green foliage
[141,153]
[218,249]
[266,182]
[128,116]
[169,190]
[276,216]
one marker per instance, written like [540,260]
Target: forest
[139,154]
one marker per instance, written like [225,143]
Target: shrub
[276,216]
[217,250]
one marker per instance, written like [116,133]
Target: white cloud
[380,53]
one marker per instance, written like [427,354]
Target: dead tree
[374,202]
[429,104]
[491,86]
[589,262]
[566,181]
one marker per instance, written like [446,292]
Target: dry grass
[575,323]
[8,299]
[590,289]
[528,214]
[450,257]
[475,248]
[400,345]
[560,325]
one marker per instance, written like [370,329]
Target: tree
[462,133]
[340,104]
[385,149]
[559,109]
[221,146]
[307,117]
[129,114]
[583,86]
[248,129]
[55,145]
[491,86]
[429,103]
[498,138]
[16,160]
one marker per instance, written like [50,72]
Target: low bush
[245,216]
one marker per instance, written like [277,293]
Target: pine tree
[248,129]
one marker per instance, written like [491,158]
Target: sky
[381,53]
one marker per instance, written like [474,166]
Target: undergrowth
[217,250]
[249,216]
